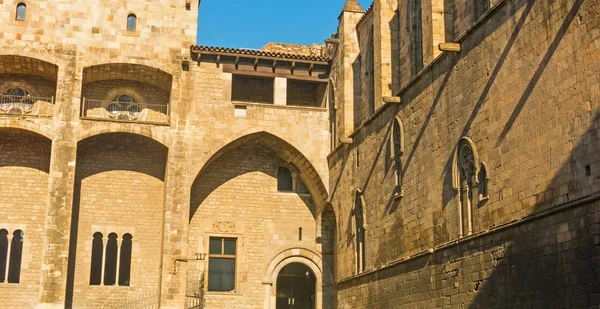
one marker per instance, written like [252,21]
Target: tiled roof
[256,52]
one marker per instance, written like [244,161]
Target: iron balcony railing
[125,111]
[26,105]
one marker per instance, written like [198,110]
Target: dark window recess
[483,182]
[96,265]
[125,260]
[3,254]
[306,93]
[221,264]
[588,170]
[252,89]
[284,180]
[110,266]
[300,234]
[16,253]
[21,11]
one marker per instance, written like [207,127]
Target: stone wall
[529,102]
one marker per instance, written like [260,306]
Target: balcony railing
[125,111]
[26,105]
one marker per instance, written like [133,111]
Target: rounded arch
[110,96]
[455,171]
[293,255]
[138,71]
[281,148]
[8,124]
[26,64]
[159,137]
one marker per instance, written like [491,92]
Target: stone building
[382,170]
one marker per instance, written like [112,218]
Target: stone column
[280,91]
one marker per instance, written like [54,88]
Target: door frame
[303,256]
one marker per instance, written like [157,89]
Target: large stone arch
[293,255]
[281,148]
[13,123]
[146,131]
[135,72]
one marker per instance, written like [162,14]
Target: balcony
[125,111]
[26,106]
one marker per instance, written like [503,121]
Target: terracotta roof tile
[256,52]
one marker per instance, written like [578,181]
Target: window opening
[371,73]
[359,233]
[3,254]
[110,264]
[125,260]
[131,22]
[284,180]
[483,182]
[300,234]
[397,141]
[467,170]
[96,265]
[16,254]
[221,264]
[21,11]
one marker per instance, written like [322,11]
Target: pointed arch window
[483,182]
[284,180]
[131,22]
[466,181]
[359,232]
[21,11]
[397,151]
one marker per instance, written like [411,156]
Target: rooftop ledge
[289,107]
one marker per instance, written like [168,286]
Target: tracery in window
[21,11]
[467,168]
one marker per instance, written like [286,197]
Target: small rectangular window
[221,264]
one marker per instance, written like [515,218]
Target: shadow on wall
[18,148]
[105,153]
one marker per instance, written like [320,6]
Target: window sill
[9,285]
[111,287]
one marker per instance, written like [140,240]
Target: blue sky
[252,24]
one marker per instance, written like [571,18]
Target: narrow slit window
[284,180]
[110,267]
[21,11]
[3,254]
[96,267]
[125,260]
[131,22]
[16,254]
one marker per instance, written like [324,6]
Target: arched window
[18,92]
[131,22]
[21,11]
[467,170]
[16,254]
[284,180]
[397,150]
[483,182]
[359,233]
[96,267]
[125,260]
[332,116]
[3,254]
[110,266]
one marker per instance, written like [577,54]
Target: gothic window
[3,254]
[97,252]
[483,182]
[221,264]
[370,67]
[16,254]
[111,260]
[332,117]
[125,260]
[359,232]
[21,11]
[415,35]
[124,102]
[467,172]
[397,150]
[284,180]
[131,22]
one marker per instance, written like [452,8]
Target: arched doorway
[296,287]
